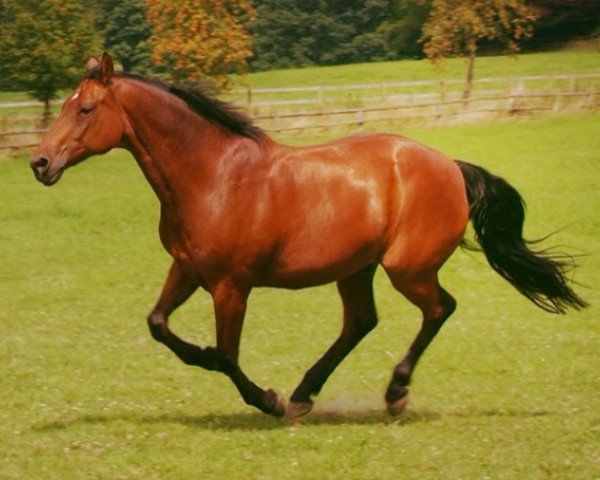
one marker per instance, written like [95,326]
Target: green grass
[505,392]
[550,63]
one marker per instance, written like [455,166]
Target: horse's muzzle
[41,169]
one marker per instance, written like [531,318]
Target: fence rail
[306,109]
[15,140]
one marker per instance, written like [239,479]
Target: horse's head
[91,122]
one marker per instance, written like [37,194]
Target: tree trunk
[469,80]
[47,115]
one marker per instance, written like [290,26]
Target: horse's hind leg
[436,305]
[360,318]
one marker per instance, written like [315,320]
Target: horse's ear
[92,64]
[106,68]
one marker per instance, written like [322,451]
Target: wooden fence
[315,110]
[302,109]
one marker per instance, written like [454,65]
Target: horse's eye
[86,110]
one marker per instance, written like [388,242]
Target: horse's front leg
[177,289]
[230,307]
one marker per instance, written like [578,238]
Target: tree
[562,21]
[456,27]
[4,80]
[196,38]
[403,30]
[126,31]
[43,46]
[289,33]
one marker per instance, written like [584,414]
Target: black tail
[497,214]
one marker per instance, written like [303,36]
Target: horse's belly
[330,232]
[310,261]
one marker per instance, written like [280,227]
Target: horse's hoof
[297,409]
[398,406]
[276,403]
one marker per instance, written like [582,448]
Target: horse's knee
[157,323]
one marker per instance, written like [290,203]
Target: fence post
[249,98]
[384,96]
[276,122]
[321,97]
[515,93]
[572,84]
[556,103]
[360,118]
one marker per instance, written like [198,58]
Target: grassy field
[562,62]
[505,392]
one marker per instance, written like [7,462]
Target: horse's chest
[175,239]
[186,243]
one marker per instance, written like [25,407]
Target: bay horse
[239,210]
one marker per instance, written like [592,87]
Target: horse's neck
[168,140]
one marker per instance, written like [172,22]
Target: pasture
[505,391]
[545,63]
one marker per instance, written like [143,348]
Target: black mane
[201,100]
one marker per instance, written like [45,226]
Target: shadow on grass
[255,421]
[247,421]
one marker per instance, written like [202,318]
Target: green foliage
[4,80]
[44,45]
[288,33]
[561,21]
[504,392]
[402,31]
[126,32]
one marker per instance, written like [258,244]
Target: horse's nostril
[40,165]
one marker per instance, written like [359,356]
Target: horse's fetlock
[395,393]
[402,374]
[157,324]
